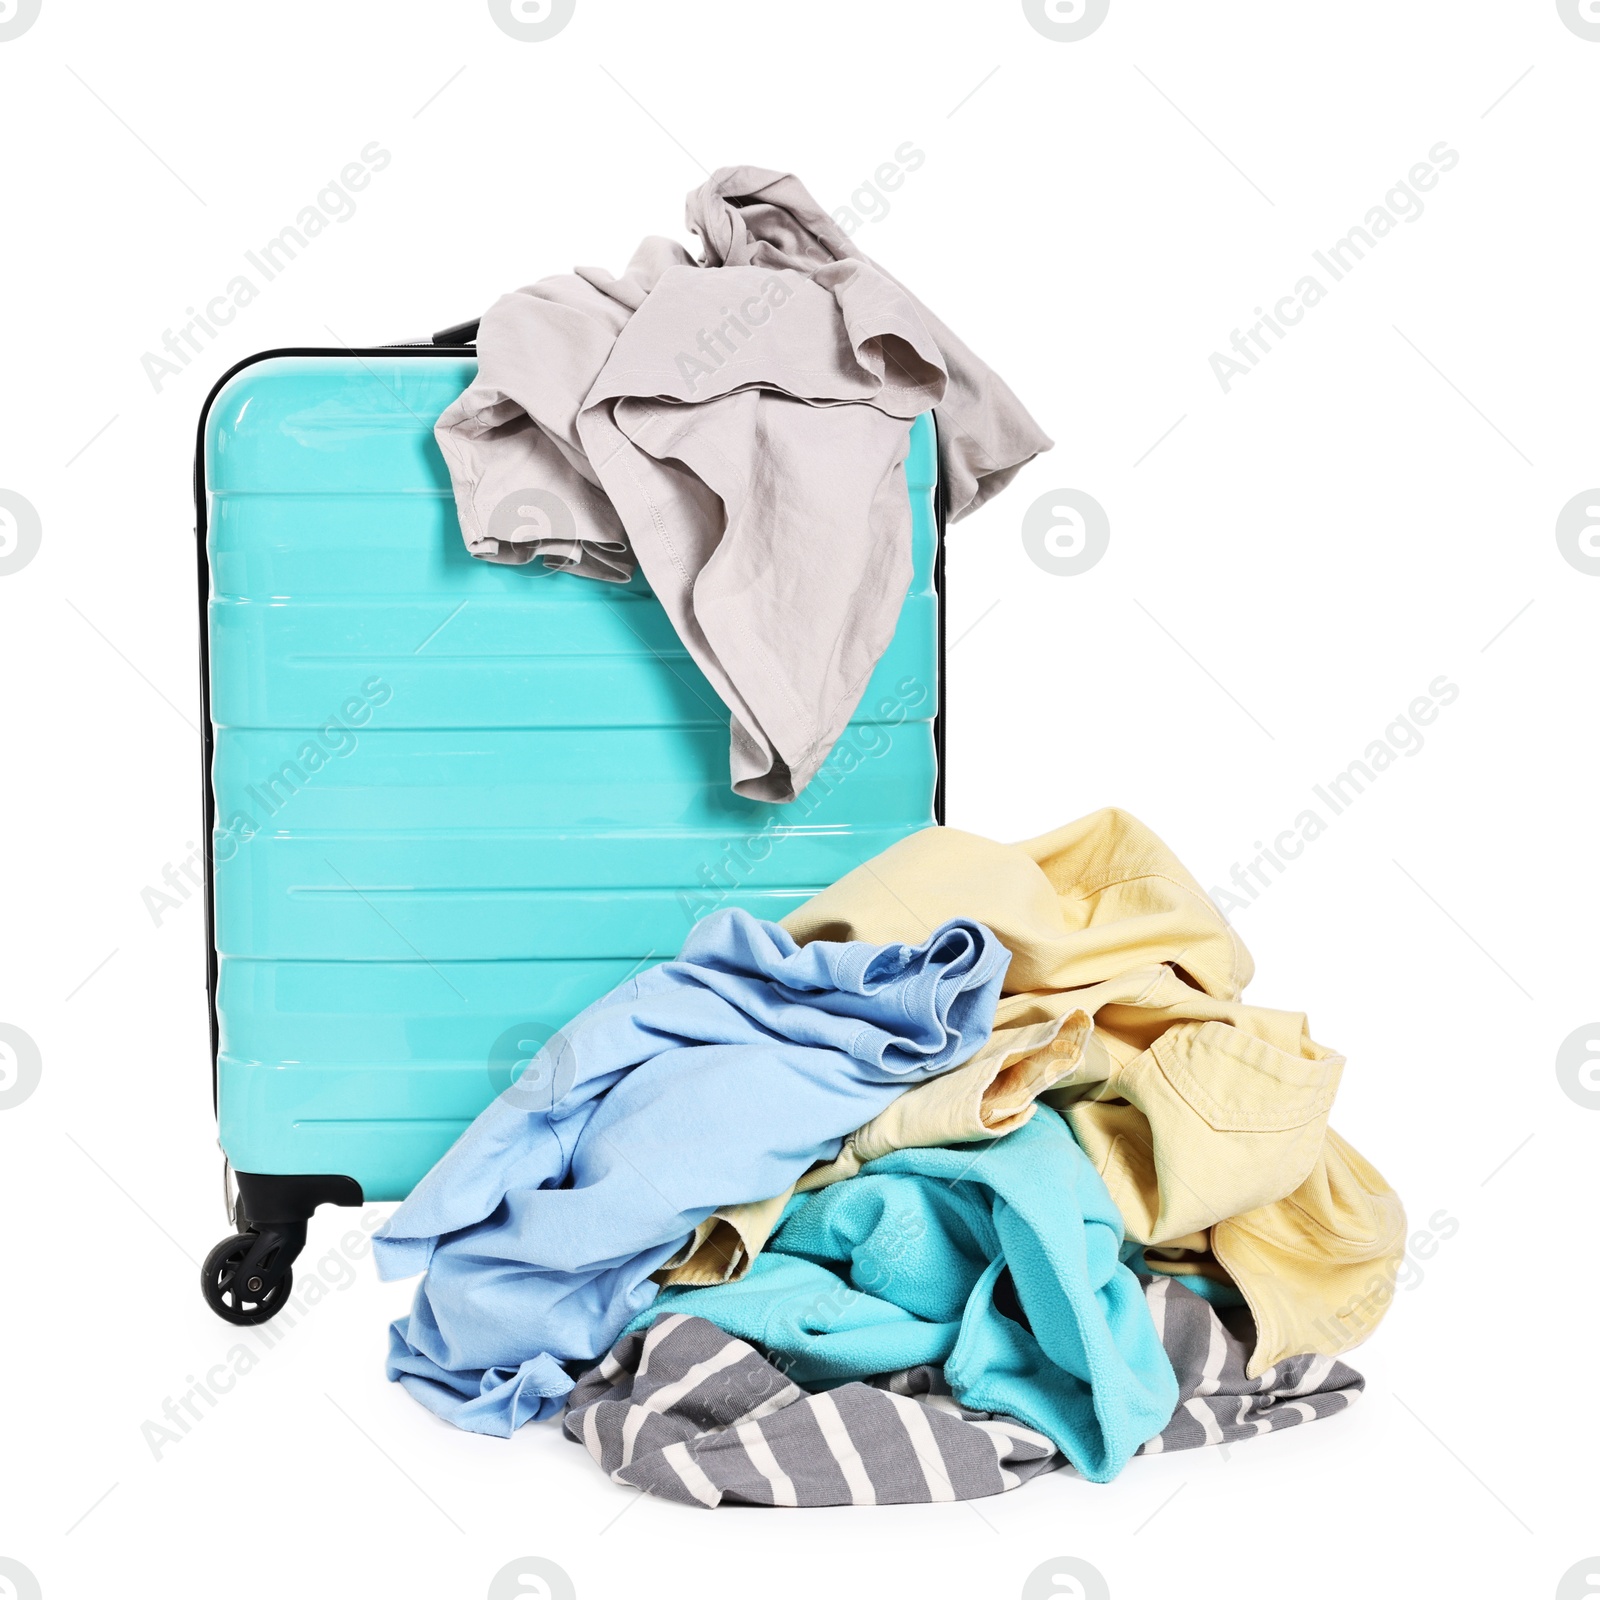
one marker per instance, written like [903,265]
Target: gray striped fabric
[1217,1403]
[689,1413]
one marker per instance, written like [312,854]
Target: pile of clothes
[977,1165]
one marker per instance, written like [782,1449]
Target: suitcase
[450,803]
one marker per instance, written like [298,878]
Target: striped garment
[1217,1403]
[687,1412]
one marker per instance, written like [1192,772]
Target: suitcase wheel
[247,1278]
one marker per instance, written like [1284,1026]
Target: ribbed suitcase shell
[454,802]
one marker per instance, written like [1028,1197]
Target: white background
[1373,506]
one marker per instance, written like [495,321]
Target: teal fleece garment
[897,1266]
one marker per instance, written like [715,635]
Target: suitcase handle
[461,333]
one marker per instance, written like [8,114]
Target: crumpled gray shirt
[738,427]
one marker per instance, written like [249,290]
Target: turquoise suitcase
[451,803]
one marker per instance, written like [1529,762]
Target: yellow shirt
[1206,1117]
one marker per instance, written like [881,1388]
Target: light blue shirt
[710,1080]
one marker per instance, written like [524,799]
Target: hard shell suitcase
[450,803]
